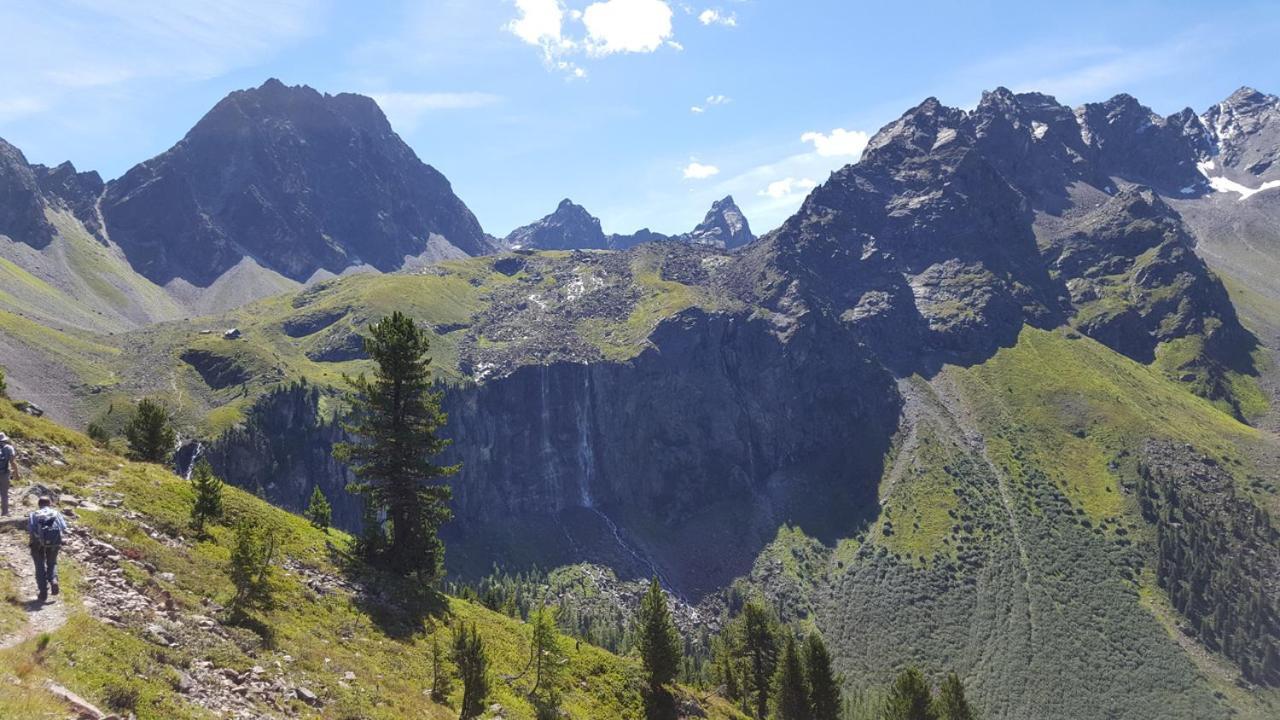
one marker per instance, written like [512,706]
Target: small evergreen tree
[657,639]
[207,506]
[790,696]
[98,433]
[824,686]
[150,433]
[909,698]
[441,681]
[473,669]
[251,559]
[319,512]
[395,419]
[547,658]
[951,703]
[4,384]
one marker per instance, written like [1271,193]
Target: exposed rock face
[722,429]
[78,191]
[1246,129]
[21,201]
[570,227]
[298,181]
[724,226]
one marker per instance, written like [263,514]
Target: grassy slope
[442,297]
[323,635]
[1016,556]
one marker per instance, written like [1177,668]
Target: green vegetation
[910,698]
[820,679]
[316,636]
[207,506]
[790,695]
[150,433]
[473,670]
[319,512]
[657,639]
[252,556]
[395,418]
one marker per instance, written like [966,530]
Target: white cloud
[608,27]
[407,109]
[711,101]
[698,171]
[634,26]
[786,187]
[837,143]
[539,21]
[715,17]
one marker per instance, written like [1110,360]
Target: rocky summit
[297,181]
[999,397]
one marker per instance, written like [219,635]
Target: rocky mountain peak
[1246,130]
[21,202]
[724,226]
[299,181]
[569,227]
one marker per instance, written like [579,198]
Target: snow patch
[1038,129]
[945,136]
[1222,184]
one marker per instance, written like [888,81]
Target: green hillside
[140,631]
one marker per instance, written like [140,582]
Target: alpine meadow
[973,416]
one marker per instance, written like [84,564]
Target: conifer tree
[790,696]
[472,662]
[251,559]
[909,698]
[824,686]
[757,640]
[395,419]
[150,433]
[207,506]
[951,703]
[547,657]
[319,512]
[441,681]
[657,639]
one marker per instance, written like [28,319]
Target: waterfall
[586,454]
[548,450]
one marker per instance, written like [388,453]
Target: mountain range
[999,396]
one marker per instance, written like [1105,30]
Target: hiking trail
[41,619]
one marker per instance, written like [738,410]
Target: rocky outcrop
[21,201]
[721,430]
[77,191]
[296,180]
[724,226]
[570,227]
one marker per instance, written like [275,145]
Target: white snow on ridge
[1038,129]
[1222,184]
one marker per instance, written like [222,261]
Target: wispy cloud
[711,101]
[787,187]
[49,50]
[406,110]
[699,171]
[712,16]
[838,142]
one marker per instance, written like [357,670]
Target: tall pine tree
[790,696]
[824,686]
[395,419]
[757,643]
[909,698]
[150,433]
[951,703]
[319,512]
[657,639]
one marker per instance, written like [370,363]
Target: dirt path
[41,618]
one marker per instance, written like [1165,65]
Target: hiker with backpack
[8,471]
[46,526]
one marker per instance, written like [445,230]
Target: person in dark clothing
[8,471]
[45,527]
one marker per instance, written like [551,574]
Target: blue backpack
[48,534]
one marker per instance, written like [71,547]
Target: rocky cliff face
[22,202]
[722,429]
[724,226]
[296,180]
[570,227]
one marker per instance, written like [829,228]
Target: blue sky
[644,111]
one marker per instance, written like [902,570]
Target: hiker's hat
[3,437]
